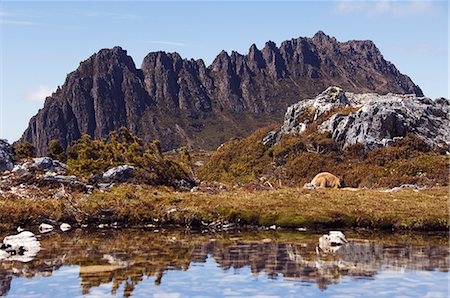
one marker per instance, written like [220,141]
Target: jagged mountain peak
[183,102]
[320,36]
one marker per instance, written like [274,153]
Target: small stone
[65,227]
[45,228]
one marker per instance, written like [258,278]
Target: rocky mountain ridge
[183,102]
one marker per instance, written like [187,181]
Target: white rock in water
[337,237]
[22,247]
[332,242]
[23,236]
[4,255]
[45,228]
[65,227]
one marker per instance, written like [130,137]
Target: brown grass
[286,207]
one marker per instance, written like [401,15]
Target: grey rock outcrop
[6,156]
[377,120]
[384,119]
[184,102]
[299,115]
[119,173]
[60,179]
[44,164]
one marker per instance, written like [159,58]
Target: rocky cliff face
[6,156]
[183,102]
[371,119]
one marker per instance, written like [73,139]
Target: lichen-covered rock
[6,156]
[383,119]
[376,120]
[301,114]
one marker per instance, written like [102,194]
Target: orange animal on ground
[326,179]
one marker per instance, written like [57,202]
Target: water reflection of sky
[209,280]
[177,263]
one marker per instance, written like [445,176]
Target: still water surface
[177,263]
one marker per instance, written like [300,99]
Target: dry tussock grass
[286,207]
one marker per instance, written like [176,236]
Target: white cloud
[7,14]
[168,43]
[351,6]
[40,93]
[424,49]
[17,23]
[14,18]
[103,14]
[388,7]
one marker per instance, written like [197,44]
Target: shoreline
[128,205]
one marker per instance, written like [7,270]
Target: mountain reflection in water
[125,257]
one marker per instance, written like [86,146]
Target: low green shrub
[88,157]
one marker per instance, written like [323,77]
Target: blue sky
[41,42]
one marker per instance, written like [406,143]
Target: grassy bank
[288,207]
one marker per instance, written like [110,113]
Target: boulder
[373,120]
[332,242]
[301,114]
[21,247]
[6,156]
[384,119]
[120,173]
[46,164]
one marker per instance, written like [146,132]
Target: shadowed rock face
[183,102]
[6,156]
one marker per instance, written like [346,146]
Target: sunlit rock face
[370,119]
[125,258]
